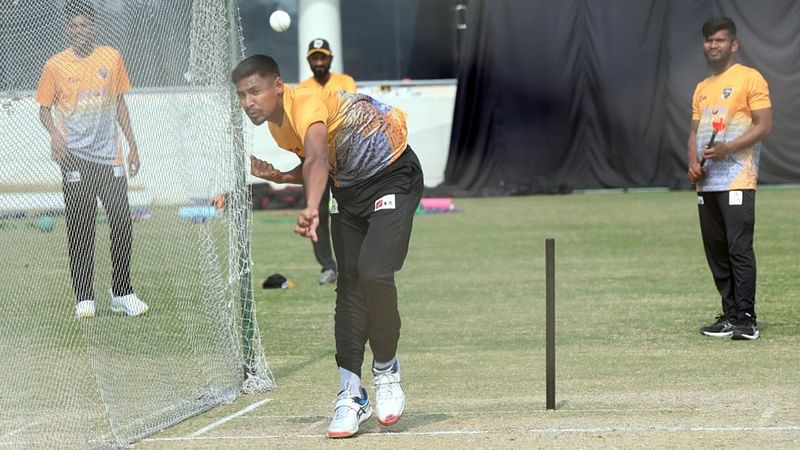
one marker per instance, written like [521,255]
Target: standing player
[319,59]
[377,185]
[734,107]
[81,97]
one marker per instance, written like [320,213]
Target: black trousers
[322,248]
[371,228]
[84,182]
[727,220]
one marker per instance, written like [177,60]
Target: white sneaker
[348,414]
[390,400]
[84,309]
[130,305]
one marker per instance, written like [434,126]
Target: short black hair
[263,65]
[75,8]
[715,24]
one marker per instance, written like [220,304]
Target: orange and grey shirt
[83,93]
[337,82]
[726,101]
[364,135]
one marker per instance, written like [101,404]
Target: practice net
[110,380]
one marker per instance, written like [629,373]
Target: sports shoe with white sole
[327,276]
[130,305]
[722,327]
[84,309]
[348,414]
[745,330]
[390,400]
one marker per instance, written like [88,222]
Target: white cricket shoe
[130,305]
[348,414]
[84,309]
[390,400]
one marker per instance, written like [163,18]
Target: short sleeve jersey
[82,93]
[364,135]
[726,101]
[337,82]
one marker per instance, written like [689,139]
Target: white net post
[110,380]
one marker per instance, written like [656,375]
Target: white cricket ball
[280,20]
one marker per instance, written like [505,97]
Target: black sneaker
[721,328]
[745,330]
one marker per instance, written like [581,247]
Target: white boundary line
[642,429]
[227,418]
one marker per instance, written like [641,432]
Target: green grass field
[66,379]
[632,370]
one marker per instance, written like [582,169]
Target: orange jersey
[83,94]
[726,101]
[364,135]
[337,82]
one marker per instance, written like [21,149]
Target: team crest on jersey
[103,73]
[385,202]
[726,92]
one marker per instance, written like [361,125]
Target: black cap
[277,281]
[319,45]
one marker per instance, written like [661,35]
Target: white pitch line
[321,435]
[401,434]
[229,417]
[656,429]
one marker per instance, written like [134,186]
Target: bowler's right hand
[264,170]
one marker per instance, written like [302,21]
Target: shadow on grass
[307,420]
[291,369]
[408,422]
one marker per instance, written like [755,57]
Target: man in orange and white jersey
[81,96]
[362,145]
[320,57]
[731,114]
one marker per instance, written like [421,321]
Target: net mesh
[110,380]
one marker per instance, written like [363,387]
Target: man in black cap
[319,59]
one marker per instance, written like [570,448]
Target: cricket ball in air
[279,20]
